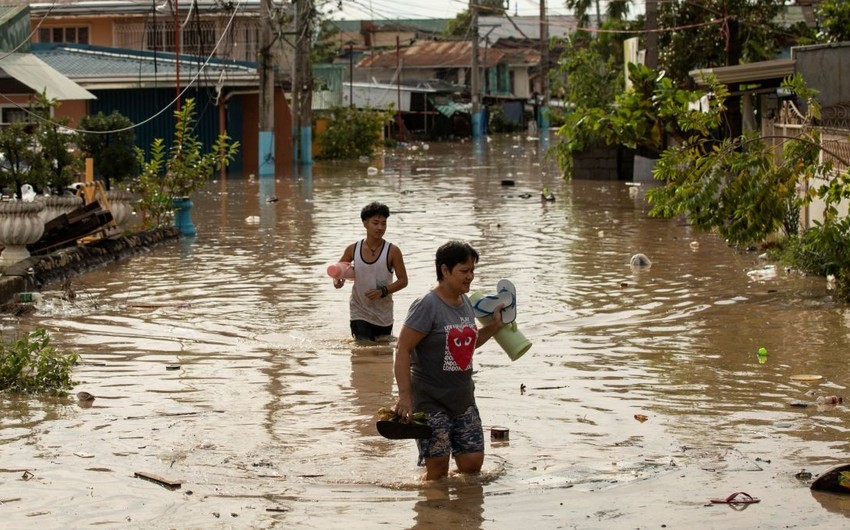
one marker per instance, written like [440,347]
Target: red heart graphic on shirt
[462,345]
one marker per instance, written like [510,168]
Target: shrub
[352,133]
[31,365]
[16,147]
[177,171]
[822,250]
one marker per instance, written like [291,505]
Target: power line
[201,70]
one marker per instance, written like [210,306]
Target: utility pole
[542,110]
[265,65]
[177,28]
[302,88]
[351,74]
[651,26]
[474,82]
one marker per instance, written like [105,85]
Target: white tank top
[369,276]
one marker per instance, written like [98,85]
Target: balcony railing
[240,43]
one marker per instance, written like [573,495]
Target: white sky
[393,9]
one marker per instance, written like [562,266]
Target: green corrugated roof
[448,108]
[7,12]
[14,28]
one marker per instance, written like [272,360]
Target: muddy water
[224,362]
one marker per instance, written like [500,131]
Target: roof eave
[745,73]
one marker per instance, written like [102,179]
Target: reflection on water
[445,505]
[270,415]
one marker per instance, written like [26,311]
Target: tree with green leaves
[109,139]
[54,165]
[491,7]
[834,20]
[581,10]
[713,33]
[744,190]
[646,118]
[325,48]
[586,77]
[460,26]
[16,154]
[590,72]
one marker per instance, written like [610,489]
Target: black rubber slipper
[396,430]
[835,479]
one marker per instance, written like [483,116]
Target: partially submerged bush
[31,365]
[175,172]
[352,132]
[822,250]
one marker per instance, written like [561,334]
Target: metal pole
[350,74]
[177,50]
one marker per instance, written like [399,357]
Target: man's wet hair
[454,253]
[374,208]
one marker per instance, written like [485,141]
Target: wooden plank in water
[167,483]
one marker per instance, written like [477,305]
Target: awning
[31,71]
[746,73]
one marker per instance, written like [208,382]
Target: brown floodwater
[225,362]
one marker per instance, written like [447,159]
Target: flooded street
[225,362]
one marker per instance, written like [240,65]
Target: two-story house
[137,58]
[23,74]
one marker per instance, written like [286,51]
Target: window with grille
[195,39]
[14,115]
[73,34]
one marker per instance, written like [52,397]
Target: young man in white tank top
[376,261]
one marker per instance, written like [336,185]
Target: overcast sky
[393,9]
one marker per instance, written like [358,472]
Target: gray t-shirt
[441,364]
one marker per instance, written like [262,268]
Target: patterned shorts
[452,436]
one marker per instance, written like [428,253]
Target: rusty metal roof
[433,54]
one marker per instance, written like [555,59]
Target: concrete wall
[826,67]
[599,163]
[37,272]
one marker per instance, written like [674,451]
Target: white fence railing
[240,43]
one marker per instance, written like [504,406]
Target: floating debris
[164,482]
[806,377]
[640,261]
[768,272]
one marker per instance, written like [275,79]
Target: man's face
[375,226]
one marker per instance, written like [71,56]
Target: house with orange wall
[22,74]
[138,58]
